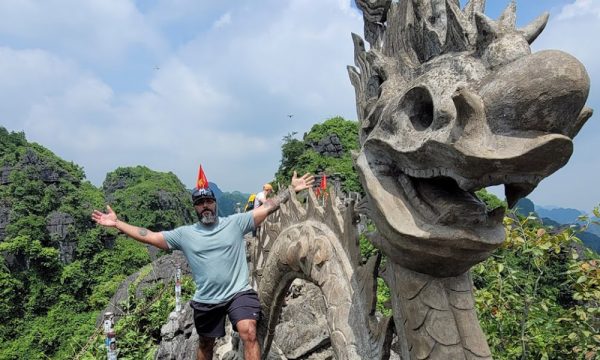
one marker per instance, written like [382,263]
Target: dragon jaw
[451,101]
[427,154]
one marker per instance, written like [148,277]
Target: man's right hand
[105,219]
[146,236]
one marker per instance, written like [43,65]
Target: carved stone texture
[329,146]
[320,245]
[302,329]
[450,102]
[439,314]
[461,104]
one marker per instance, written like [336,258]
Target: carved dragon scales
[449,102]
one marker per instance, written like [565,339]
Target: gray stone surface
[57,225]
[319,244]
[179,340]
[449,102]
[162,270]
[4,175]
[302,328]
[329,146]
[4,220]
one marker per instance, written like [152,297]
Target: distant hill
[560,218]
[595,229]
[54,260]
[228,201]
[215,188]
[550,222]
[560,215]
[524,207]
[590,240]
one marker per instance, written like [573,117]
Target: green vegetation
[538,296]
[138,331]
[300,156]
[228,202]
[50,295]
[140,196]
[491,201]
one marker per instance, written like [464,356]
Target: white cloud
[297,55]
[574,30]
[223,21]
[32,76]
[228,74]
[281,58]
[580,8]
[96,31]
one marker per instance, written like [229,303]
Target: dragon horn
[508,19]
[535,28]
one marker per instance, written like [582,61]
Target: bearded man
[215,250]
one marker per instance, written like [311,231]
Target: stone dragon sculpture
[449,102]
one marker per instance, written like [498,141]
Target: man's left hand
[303,182]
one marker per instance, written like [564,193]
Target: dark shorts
[210,318]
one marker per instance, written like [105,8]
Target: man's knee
[247,330]
[206,343]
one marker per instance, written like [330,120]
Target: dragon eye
[417,105]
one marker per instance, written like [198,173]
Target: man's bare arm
[271,205]
[109,219]
[142,235]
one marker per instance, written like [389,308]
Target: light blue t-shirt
[216,255]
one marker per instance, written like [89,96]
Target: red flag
[201,183]
[324,182]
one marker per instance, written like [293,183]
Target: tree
[300,156]
[536,298]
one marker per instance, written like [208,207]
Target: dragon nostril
[417,105]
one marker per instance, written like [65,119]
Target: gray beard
[207,218]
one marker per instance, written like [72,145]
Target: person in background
[216,252]
[260,199]
[262,196]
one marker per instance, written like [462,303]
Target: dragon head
[450,102]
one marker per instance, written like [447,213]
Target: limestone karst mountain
[58,269]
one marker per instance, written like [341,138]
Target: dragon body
[449,101]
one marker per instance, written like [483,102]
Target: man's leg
[244,312]
[209,320]
[247,331]
[205,348]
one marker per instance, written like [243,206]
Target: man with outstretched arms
[216,252]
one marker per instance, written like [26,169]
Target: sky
[171,84]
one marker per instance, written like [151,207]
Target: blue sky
[173,83]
